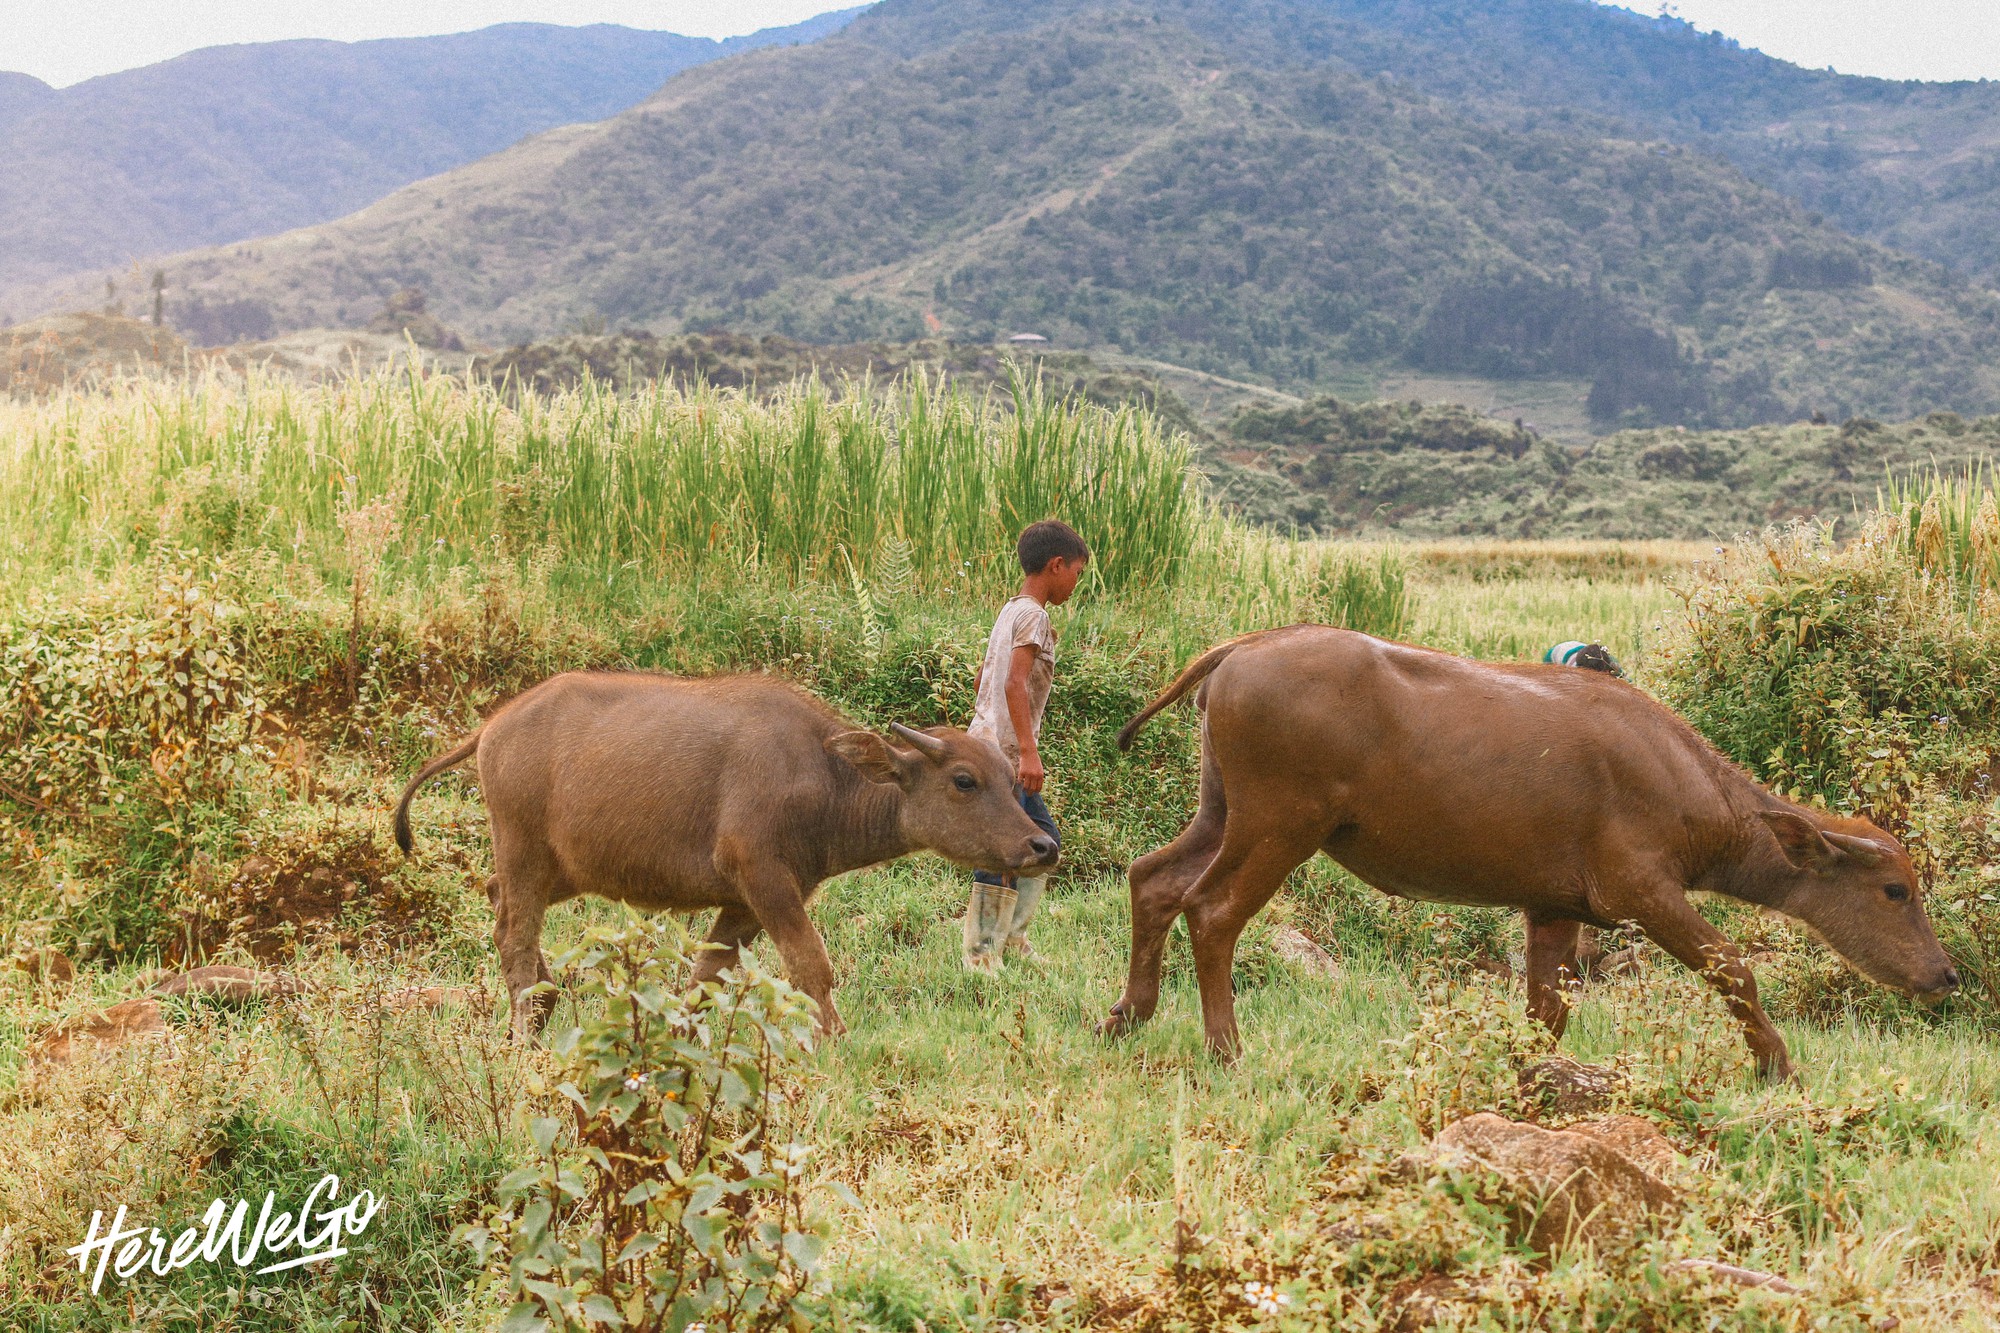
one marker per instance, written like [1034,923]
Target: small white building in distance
[1026,338]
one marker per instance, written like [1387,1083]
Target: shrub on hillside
[165,694]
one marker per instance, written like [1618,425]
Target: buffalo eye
[965,782]
[1897,892]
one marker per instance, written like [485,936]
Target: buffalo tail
[1197,671]
[466,749]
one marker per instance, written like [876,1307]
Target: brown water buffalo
[1569,795]
[733,792]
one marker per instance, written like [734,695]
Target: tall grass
[1948,523]
[669,479]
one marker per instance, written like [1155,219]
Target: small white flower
[636,1082]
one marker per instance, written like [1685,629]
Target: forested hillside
[238,141]
[1911,165]
[1122,180]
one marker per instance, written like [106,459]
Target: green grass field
[982,1159]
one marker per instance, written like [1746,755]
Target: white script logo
[144,1247]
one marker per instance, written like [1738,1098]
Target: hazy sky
[1893,39]
[70,40]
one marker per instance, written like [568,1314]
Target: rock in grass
[46,964]
[1561,1086]
[1564,1188]
[1295,946]
[1638,1139]
[1742,1277]
[104,1030]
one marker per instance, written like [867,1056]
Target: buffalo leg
[1672,923]
[1160,881]
[734,928]
[774,894]
[517,930]
[1241,879]
[1551,952]
[523,886]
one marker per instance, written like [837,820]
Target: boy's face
[1062,574]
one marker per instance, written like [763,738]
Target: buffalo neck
[872,831]
[1744,860]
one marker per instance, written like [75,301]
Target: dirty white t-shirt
[1022,621]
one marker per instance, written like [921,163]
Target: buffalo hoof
[1779,1071]
[1120,1022]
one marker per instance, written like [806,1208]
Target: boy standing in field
[1012,689]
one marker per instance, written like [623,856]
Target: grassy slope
[1191,207]
[1645,483]
[1008,1164]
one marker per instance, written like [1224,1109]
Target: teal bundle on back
[1589,656]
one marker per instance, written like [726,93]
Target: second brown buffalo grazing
[738,793]
[1569,795]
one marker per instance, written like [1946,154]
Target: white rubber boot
[1027,897]
[988,914]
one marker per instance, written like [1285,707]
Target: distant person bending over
[1013,689]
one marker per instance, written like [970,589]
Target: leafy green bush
[676,1195]
[165,696]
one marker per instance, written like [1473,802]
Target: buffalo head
[958,796]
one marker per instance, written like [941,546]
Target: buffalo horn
[1867,851]
[930,746]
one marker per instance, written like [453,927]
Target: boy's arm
[1021,710]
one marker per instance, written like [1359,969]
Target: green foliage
[167,694]
[1466,1054]
[1444,472]
[674,1195]
[1329,426]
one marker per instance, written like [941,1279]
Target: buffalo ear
[876,759]
[1801,840]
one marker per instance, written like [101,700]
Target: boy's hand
[1030,772]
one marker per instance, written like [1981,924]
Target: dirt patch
[331,885]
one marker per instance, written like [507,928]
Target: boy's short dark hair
[1050,539]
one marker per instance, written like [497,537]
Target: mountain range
[231,142]
[1272,188]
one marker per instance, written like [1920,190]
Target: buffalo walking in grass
[1569,795]
[739,793]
